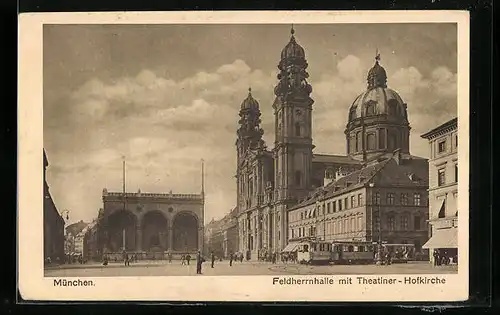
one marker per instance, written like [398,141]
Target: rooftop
[451,124]
[332,158]
[395,170]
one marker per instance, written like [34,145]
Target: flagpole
[124,203]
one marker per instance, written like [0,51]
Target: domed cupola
[249,133]
[377,77]
[292,49]
[293,74]
[378,118]
[250,103]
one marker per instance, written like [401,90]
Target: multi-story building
[443,190]
[53,224]
[385,200]
[222,235]
[271,181]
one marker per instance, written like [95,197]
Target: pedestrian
[436,257]
[213,258]
[199,262]
[183,259]
[169,257]
[188,258]
[230,259]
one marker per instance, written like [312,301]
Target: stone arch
[119,223]
[185,227]
[154,231]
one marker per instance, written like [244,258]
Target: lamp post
[375,202]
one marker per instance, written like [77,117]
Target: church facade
[272,181]
[282,191]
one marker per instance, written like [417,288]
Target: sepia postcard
[244,156]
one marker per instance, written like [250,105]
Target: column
[138,233]
[170,241]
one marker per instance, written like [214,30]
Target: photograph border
[30,159]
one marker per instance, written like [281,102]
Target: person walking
[230,259]
[436,257]
[199,262]
[188,258]
[213,258]
[169,255]
[183,259]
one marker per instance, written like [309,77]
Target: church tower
[249,137]
[293,139]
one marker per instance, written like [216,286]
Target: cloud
[165,126]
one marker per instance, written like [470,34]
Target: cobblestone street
[162,268]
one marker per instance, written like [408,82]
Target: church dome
[249,102]
[293,49]
[378,99]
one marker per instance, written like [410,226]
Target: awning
[443,238]
[290,248]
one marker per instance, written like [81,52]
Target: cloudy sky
[166,96]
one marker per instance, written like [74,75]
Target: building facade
[271,181]
[222,235]
[53,224]
[150,225]
[443,190]
[386,200]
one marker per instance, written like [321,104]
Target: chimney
[329,176]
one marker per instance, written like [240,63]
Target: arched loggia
[154,232]
[185,232]
[121,229]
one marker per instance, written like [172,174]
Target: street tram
[347,252]
[400,253]
[309,250]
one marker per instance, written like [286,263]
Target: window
[370,139]
[334,206]
[416,199]
[390,198]
[381,138]
[370,109]
[279,235]
[442,146]
[376,198]
[329,207]
[360,223]
[340,205]
[293,233]
[297,129]
[404,199]
[323,209]
[441,177]
[404,222]
[456,173]
[442,210]
[359,142]
[416,223]
[353,225]
[298,178]
[391,222]
[345,203]
[360,200]
[353,201]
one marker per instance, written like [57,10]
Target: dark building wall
[53,229]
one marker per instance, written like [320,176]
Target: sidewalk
[143,263]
